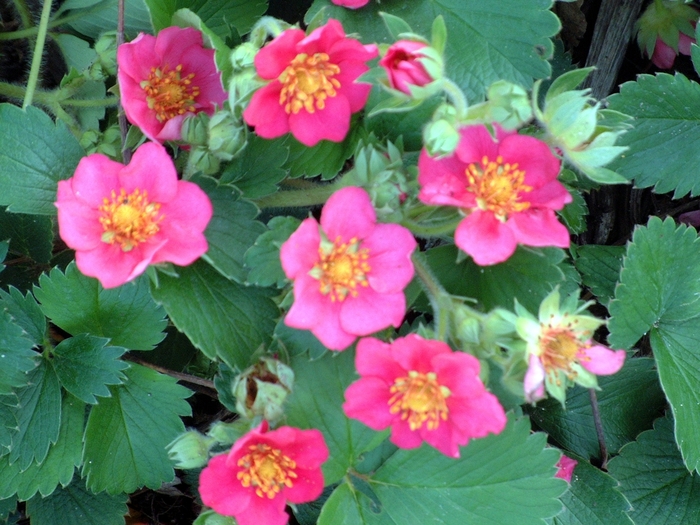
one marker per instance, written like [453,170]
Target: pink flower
[507,187]
[349,273]
[351,4]
[403,66]
[565,467]
[424,391]
[163,79]
[312,90]
[664,55]
[119,219]
[264,470]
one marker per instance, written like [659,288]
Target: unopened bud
[262,389]
[190,450]
[227,135]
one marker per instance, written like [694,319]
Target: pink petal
[78,225]
[390,247]
[351,4]
[263,510]
[476,417]
[274,58]
[321,39]
[476,143]
[485,238]
[356,93]
[299,253]
[600,360]
[370,312]
[664,55]
[220,489]
[114,267]
[684,43]
[95,178]
[534,380]
[442,438]
[403,437]
[552,195]
[374,358]
[345,203]
[330,123]
[171,41]
[152,170]
[367,400]
[565,468]
[415,353]
[532,156]
[265,113]
[307,486]
[459,372]
[443,181]
[538,227]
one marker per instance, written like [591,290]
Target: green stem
[38,54]
[456,96]
[91,102]
[442,228]
[300,198]
[440,300]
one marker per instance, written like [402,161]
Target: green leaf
[16,355]
[231,231]
[60,462]
[38,416]
[30,235]
[395,25]
[263,258]
[592,498]
[325,158]
[4,246]
[567,81]
[101,16]
[496,479]
[78,304]
[297,342]
[628,401]
[36,154]
[161,12]
[85,366]
[219,14]
[529,275]
[258,170]
[508,39]
[575,213]
[221,318]
[127,433]
[8,421]
[666,135]
[77,505]
[600,269]
[319,392]
[654,479]
[659,292]
[25,312]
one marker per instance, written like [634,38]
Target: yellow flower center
[419,398]
[129,219]
[559,347]
[307,82]
[266,469]
[497,186]
[168,93]
[342,268]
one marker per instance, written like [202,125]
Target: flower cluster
[120,219]
[349,272]
[262,472]
[165,78]
[424,391]
[312,90]
[508,188]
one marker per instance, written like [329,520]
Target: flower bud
[262,389]
[441,136]
[227,135]
[665,29]
[195,129]
[509,104]
[410,64]
[190,450]
[243,56]
[106,63]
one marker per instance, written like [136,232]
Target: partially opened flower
[312,90]
[424,391]
[263,471]
[565,468]
[665,29]
[506,186]
[349,273]
[560,350]
[119,219]
[163,79]
[405,64]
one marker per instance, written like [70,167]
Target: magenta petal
[459,372]
[152,170]
[485,238]
[95,178]
[403,437]
[600,360]
[299,253]
[539,227]
[390,247]
[442,439]
[443,181]
[367,400]
[534,380]
[476,143]
[345,203]
[370,312]
[477,417]
[374,358]
[533,157]
[552,195]
[171,40]
[565,468]
[664,55]
[79,225]
[330,123]
[220,489]
[265,113]
[307,487]
[415,353]
[263,510]
[274,58]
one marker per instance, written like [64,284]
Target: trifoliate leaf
[600,269]
[325,158]
[263,258]
[258,170]
[36,154]
[659,293]
[85,366]
[221,318]
[232,230]
[60,462]
[654,479]
[666,134]
[127,433]
[25,312]
[78,304]
[38,416]
[77,505]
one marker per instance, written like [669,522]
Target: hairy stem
[440,300]
[599,429]
[318,194]
[38,54]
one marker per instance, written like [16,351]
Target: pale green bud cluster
[261,390]
[441,134]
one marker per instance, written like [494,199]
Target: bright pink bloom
[508,187]
[424,391]
[163,79]
[664,55]
[264,470]
[351,4]
[119,219]
[565,467]
[350,273]
[312,90]
[403,66]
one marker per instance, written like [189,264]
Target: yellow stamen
[559,347]
[497,186]
[419,398]
[342,268]
[307,82]
[129,219]
[266,469]
[168,93]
